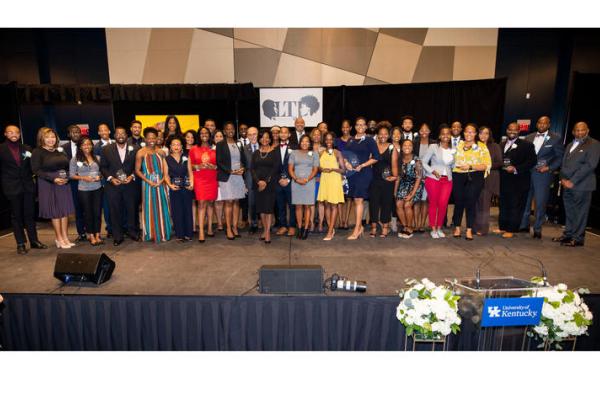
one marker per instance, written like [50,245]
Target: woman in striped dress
[156,222]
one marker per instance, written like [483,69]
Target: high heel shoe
[329,238]
[305,234]
[360,233]
[300,233]
[61,245]
[456,233]
[384,233]
[469,235]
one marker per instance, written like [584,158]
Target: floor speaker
[83,268]
[286,279]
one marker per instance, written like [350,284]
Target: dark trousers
[466,188]
[577,208]
[91,205]
[284,205]
[181,212]
[381,201]
[482,211]
[22,209]
[123,199]
[540,190]
[252,216]
[106,209]
[79,218]
[512,204]
[244,206]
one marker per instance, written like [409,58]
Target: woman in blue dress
[363,152]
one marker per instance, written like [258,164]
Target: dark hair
[311,102]
[490,138]
[194,134]
[322,122]
[407,140]
[451,123]
[265,132]
[135,121]
[172,139]
[346,120]
[384,124]
[80,156]
[471,124]
[150,129]
[177,125]
[359,118]
[211,120]
[443,126]
[329,133]
[103,123]
[228,123]
[71,127]
[405,117]
[425,124]
[210,139]
[310,142]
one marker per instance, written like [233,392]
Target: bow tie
[283,144]
[540,135]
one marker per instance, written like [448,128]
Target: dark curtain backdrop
[9,114]
[584,107]
[77,322]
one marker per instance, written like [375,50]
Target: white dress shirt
[122,152]
[283,149]
[538,142]
[455,141]
[73,149]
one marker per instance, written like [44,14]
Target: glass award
[186,181]
[62,174]
[541,164]
[177,181]
[121,175]
[506,162]
[352,159]
[386,173]
[153,177]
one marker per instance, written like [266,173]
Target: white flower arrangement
[59,149]
[130,148]
[27,154]
[79,164]
[213,147]
[239,145]
[564,314]
[428,309]
[547,138]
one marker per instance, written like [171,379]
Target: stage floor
[223,267]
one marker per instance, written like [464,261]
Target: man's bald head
[299,124]
[580,130]
[12,133]
[252,134]
[543,123]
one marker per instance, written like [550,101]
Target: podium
[474,291]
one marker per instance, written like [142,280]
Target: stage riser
[54,322]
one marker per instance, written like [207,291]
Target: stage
[193,296]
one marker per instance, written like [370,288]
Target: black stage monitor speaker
[83,268]
[283,279]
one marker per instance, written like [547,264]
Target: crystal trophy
[153,177]
[177,181]
[386,173]
[121,175]
[506,162]
[62,174]
[186,181]
[541,164]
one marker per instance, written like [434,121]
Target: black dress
[265,167]
[381,191]
[55,201]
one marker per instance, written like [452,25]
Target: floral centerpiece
[564,314]
[427,310]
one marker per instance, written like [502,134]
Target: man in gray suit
[578,180]
[549,150]
[249,149]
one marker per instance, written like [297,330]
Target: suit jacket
[67,149]
[248,173]
[16,179]
[98,148]
[293,139]
[110,162]
[283,168]
[522,157]
[224,160]
[417,145]
[551,151]
[579,166]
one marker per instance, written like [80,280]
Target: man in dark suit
[549,150]
[298,132]
[117,165]
[104,134]
[249,149]
[19,188]
[136,133]
[519,158]
[70,149]
[578,180]
[284,188]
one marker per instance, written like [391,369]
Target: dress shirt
[122,152]
[73,149]
[539,140]
[284,147]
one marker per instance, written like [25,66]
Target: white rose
[130,148]
[428,284]
[310,153]
[412,162]
[184,158]
[79,164]
[213,147]
[560,286]
[391,147]
[514,146]
[59,149]
[143,144]
[289,151]
[330,151]
[475,147]
[27,154]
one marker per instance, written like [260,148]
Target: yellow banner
[158,121]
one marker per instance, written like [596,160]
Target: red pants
[438,194]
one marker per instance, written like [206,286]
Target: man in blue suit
[578,181]
[549,150]
[284,188]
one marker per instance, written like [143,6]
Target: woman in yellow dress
[331,192]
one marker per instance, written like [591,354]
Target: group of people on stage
[295,180]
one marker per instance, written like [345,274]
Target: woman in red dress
[204,167]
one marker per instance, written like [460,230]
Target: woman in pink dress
[204,167]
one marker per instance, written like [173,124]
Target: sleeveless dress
[409,172]
[156,221]
[330,187]
[205,180]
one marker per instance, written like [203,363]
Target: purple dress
[55,201]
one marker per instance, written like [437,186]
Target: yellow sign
[158,121]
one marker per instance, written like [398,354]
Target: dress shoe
[117,242]
[572,243]
[21,249]
[300,233]
[537,235]
[253,229]
[36,244]
[508,235]
[305,234]
[81,238]
[135,238]
[281,231]
[108,235]
[526,230]
[561,239]
[291,231]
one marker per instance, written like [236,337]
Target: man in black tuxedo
[284,188]
[136,133]
[519,158]
[298,132]
[250,210]
[70,149]
[122,192]
[19,188]
[578,180]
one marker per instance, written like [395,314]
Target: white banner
[282,106]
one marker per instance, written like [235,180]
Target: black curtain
[584,107]
[80,322]
[9,114]
[479,101]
